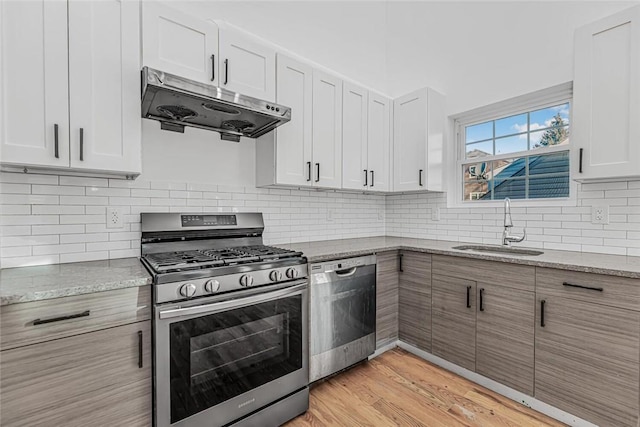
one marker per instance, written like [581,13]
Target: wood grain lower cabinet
[386,298]
[505,326]
[453,305]
[587,359]
[414,300]
[92,379]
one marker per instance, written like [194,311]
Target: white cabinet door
[179,43]
[104,92]
[606,98]
[246,65]
[327,130]
[355,172]
[294,139]
[34,103]
[379,147]
[409,141]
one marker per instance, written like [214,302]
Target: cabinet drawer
[502,273]
[91,379]
[600,289]
[31,322]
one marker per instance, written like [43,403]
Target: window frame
[545,98]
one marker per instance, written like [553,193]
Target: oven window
[220,356]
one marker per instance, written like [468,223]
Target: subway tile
[15,209]
[9,188]
[26,261]
[107,246]
[83,219]
[58,190]
[57,229]
[83,200]
[15,230]
[28,178]
[29,219]
[28,199]
[58,249]
[57,209]
[84,238]
[84,181]
[108,191]
[15,251]
[84,256]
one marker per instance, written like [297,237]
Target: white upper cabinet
[294,139]
[104,89]
[71,69]
[247,66]
[34,114]
[418,141]
[606,98]
[355,174]
[327,130]
[179,43]
[379,143]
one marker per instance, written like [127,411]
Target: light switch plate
[115,217]
[435,214]
[600,214]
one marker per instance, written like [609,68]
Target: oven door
[219,359]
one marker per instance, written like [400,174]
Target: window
[520,154]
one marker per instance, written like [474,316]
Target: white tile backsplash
[49,219]
[563,228]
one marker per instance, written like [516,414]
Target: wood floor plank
[400,389]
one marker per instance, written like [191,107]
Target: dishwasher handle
[346,272]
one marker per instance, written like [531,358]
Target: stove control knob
[275,276]
[212,286]
[292,273]
[188,290]
[246,280]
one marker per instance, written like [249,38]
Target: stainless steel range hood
[177,102]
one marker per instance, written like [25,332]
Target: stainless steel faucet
[507,238]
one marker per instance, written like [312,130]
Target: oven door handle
[217,307]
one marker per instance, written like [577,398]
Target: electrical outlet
[330,215]
[600,214]
[435,214]
[115,218]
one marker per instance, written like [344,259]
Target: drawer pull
[481,299]
[468,296]
[139,349]
[61,318]
[542,303]
[590,288]
[400,263]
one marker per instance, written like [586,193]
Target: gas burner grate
[207,258]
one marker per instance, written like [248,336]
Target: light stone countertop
[26,284]
[614,265]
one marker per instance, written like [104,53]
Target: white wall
[478,53]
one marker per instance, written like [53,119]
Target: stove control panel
[207,286]
[207,220]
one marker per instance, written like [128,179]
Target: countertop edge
[496,258]
[72,291]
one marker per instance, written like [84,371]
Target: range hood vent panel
[177,102]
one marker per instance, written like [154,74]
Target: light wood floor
[400,389]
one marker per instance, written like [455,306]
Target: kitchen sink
[499,250]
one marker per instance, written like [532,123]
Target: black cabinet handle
[55,141]
[580,164]
[213,67]
[61,318]
[365,177]
[226,71]
[481,299]
[590,288]
[372,178]
[400,262]
[468,296]
[420,177]
[81,144]
[542,303]
[309,169]
[139,349]
[317,172]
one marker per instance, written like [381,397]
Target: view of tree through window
[518,156]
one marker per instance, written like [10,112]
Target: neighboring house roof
[548,186]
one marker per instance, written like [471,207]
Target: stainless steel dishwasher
[342,313]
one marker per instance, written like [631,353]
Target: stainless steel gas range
[230,321]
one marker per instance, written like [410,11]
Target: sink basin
[499,250]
